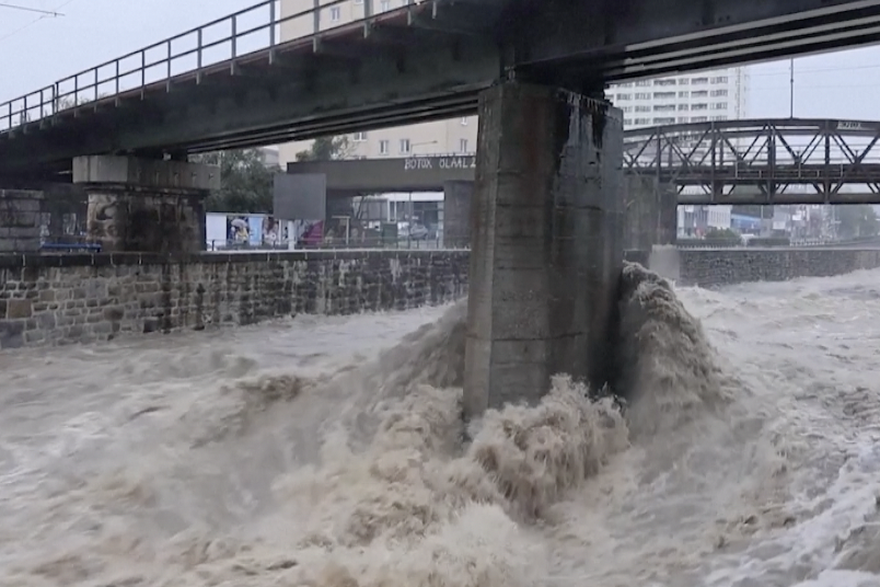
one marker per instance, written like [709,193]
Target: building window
[700,94]
[720,117]
[642,108]
[719,106]
[643,82]
[718,93]
[383,147]
[627,122]
[665,120]
[684,81]
[643,96]
[699,119]
[683,119]
[405,146]
[700,80]
[664,95]
[462,145]
[643,121]
[358,1]
[360,137]
[384,5]
[335,13]
[664,82]
[684,94]
[721,79]
[700,106]
[624,96]
[683,106]
[664,108]
[465,121]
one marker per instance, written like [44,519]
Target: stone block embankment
[728,266]
[59,299]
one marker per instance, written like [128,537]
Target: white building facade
[693,97]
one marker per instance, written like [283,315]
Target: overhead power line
[29,9]
[33,22]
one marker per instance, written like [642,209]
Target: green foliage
[326,149]
[857,221]
[245,181]
[722,234]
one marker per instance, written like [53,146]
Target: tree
[857,221]
[326,149]
[721,234]
[245,181]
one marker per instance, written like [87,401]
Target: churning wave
[360,475]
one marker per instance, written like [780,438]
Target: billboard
[224,230]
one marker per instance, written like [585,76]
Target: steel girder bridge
[761,161]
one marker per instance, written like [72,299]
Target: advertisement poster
[271,229]
[255,230]
[237,229]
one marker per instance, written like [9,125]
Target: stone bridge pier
[145,205]
[546,243]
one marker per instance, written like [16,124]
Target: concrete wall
[47,300]
[727,266]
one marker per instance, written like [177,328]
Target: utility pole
[791,88]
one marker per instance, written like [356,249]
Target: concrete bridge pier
[667,228]
[20,220]
[145,205]
[546,246]
[651,213]
[457,198]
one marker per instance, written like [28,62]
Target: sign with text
[443,162]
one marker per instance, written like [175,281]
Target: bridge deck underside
[351,80]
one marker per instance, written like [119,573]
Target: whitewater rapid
[329,452]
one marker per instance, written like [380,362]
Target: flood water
[329,452]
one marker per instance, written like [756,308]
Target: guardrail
[203,51]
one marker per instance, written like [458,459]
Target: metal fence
[219,42]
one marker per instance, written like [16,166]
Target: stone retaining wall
[727,266]
[58,299]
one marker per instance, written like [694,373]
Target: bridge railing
[221,41]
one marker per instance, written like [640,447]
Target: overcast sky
[36,52]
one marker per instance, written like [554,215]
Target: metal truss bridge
[762,161]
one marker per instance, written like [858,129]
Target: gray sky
[35,53]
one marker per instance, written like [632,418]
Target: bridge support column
[457,198]
[667,227]
[145,205]
[651,213]
[642,201]
[547,243]
[20,220]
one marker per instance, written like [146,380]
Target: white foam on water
[297,453]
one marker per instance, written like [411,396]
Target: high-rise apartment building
[694,97]
[713,95]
